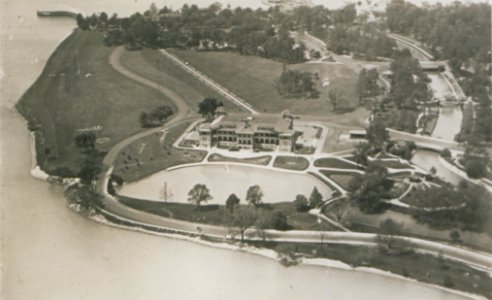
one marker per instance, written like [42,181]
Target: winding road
[114,209]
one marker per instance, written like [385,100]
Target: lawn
[411,199]
[332,162]
[394,164]
[78,89]
[342,179]
[154,153]
[261,160]
[254,79]
[151,64]
[218,215]
[291,163]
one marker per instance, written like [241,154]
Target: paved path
[421,54]
[210,82]
[113,208]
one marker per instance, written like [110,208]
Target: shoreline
[273,255]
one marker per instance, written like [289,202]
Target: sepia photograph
[245,149]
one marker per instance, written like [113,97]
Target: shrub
[446,153]
[475,168]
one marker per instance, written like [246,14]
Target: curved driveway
[113,208]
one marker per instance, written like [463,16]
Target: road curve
[114,209]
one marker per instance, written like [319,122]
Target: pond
[223,180]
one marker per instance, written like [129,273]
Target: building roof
[244,124]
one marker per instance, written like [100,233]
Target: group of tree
[156,117]
[208,108]
[461,34]
[86,200]
[476,159]
[365,40]
[457,32]
[377,139]
[293,83]
[367,84]
[473,216]
[200,193]
[408,93]
[304,204]
[250,32]
[388,240]
[90,164]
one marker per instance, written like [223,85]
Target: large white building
[247,132]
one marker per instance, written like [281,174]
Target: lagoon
[223,180]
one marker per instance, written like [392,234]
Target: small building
[432,66]
[252,133]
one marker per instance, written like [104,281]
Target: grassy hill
[254,79]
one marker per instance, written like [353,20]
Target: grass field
[291,163]
[332,162]
[218,215]
[63,101]
[149,63]
[394,164]
[342,179]
[262,160]
[254,79]
[154,153]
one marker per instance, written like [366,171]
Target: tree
[476,158]
[387,240]
[114,180]
[377,135]
[360,153]
[301,203]
[455,235]
[254,195]
[335,97]
[338,210]
[85,141]
[368,191]
[279,221]
[90,167]
[367,84]
[82,22]
[242,219]
[231,202]
[198,194]
[208,107]
[316,198]
[144,119]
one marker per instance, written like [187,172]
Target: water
[223,180]
[449,120]
[427,159]
[49,252]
